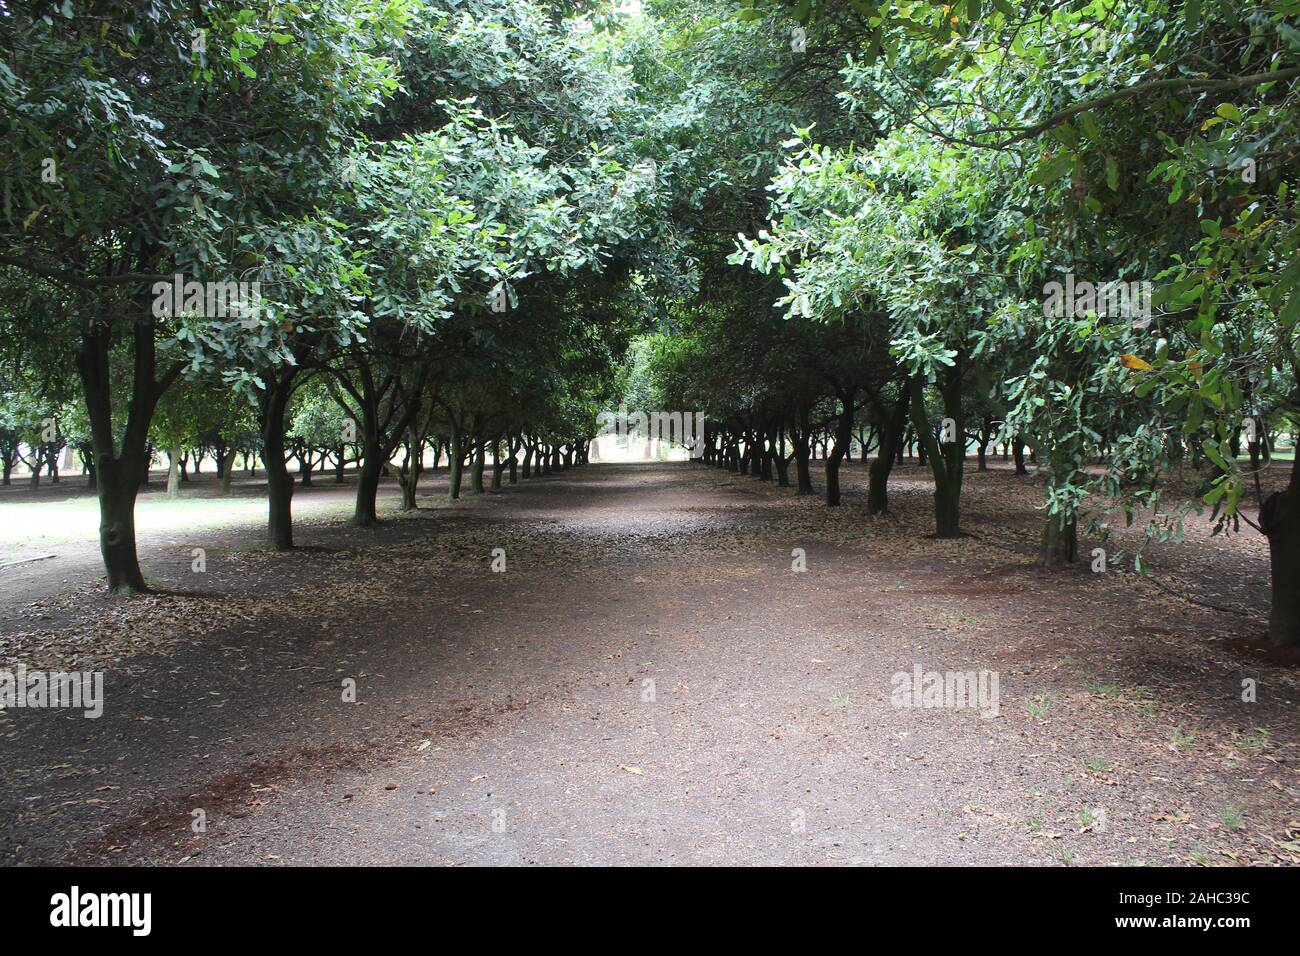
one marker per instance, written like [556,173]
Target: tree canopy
[351,229]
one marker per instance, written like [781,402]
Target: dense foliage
[467,227]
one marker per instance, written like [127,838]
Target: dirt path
[649,681]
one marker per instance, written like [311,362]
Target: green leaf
[1088,123]
[1216,456]
[1052,170]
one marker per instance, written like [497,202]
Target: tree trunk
[373,456]
[38,457]
[364,512]
[843,436]
[1018,452]
[409,476]
[174,471]
[878,480]
[1060,544]
[839,449]
[881,467]
[476,474]
[986,433]
[88,460]
[454,464]
[228,471]
[146,471]
[802,453]
[782,462]
[279,483]
[118,485]
[1280,520]
[945,464]
[765,446]
[120,475]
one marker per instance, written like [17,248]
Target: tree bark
[1060,543]
[228,471]
[454,464]
[1280,521]
[88,459]
[986,433]
[119,475]
[279,483]
[412,468]
[843,436]
[476,474]
[893,421]
[1018,452]
[800,433]
[364,512]
[38,457]
[174,471]
[782,462]
[945,464]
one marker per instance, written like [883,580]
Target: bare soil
[649,682]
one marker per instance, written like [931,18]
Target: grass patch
[1038,705]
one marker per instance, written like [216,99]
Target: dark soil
[650,682]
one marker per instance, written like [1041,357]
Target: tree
[140,182]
